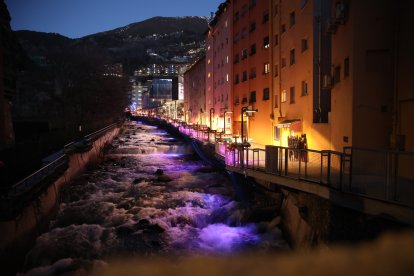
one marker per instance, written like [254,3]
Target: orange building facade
[300,62]
[195,93]
[218,70]
[334,72]
[251,71]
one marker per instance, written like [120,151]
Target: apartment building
[300,60]
[219,68]
[372,84]
[251,71]
[195,93]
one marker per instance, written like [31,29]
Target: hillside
[156,40]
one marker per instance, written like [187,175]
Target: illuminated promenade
[337,176]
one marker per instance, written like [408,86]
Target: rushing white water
[150,196]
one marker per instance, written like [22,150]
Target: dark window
[244,32]
[236,58]
[237,100]
[276,10]
[252,3]
[283,62]
[236,37]
[276,70]
[244,100]
[236,79]
[292,19]
[244,76]
[292,57]
[266,42]
[346,67]
[337,74]
[236,16]
[244,54]
[253,49]
[252,73]
[266,94]
[305,45]
[292,95]
[276,101]
[243,10]
[252,26]
[283,28]
[304,88]
[266,16]
[276,40]
[252,97]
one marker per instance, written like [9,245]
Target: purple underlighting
[225,239]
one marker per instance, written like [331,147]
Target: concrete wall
[19,234]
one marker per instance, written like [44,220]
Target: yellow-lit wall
[292,75]
[259,125]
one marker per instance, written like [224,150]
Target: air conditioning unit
[340,12]
[327,81]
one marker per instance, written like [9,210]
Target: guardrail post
[286,161]
[329,169]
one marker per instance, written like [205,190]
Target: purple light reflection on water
[226,239]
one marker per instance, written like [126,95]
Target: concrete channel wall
[18,234]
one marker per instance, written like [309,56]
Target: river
[151,196]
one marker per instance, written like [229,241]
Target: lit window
[266,68]
[227,59]
[227,77]
[283,98]
[209,75]
[208,62]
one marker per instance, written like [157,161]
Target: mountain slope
[156,40]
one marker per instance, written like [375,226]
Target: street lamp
[224,118]
[188,116]
[211,111]
[245,109]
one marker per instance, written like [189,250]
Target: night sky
[77,18]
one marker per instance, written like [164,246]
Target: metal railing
[373,173]
[22,192]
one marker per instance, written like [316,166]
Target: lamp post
[188,112]
[245,109]
[212,110]
[224,118]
